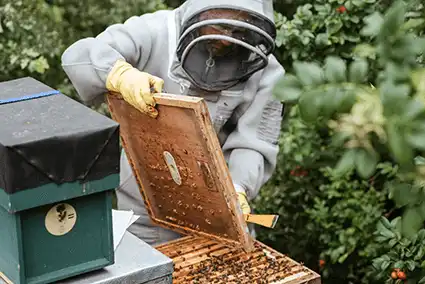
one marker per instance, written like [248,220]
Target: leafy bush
[325,222]
[404,257]
[346,214]
[376,120]
[34,34]
[292,190]
[328,27]
[30,42]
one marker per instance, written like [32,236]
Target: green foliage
[322,216]
[405,254]
[345,214]
[370,102]
[292,191]
[320,28]
[391,112]
[34,34]
[91,17]
[29,42]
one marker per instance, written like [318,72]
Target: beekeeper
[216,49]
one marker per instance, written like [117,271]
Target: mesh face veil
[218,48]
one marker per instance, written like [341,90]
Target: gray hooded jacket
[246,116]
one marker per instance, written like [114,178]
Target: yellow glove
[243,202]
[135,86]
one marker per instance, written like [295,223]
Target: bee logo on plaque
[60,219]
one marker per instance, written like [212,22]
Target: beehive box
[57,173]
[186,186]
[200,260]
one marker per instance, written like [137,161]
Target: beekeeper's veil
[223,42]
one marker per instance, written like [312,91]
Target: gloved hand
[243,200]
[134,86]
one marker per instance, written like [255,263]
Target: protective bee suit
[216,49]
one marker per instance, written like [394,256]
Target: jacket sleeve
[251,149]
[88,61]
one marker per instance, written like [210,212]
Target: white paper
[121,220]
[133,219]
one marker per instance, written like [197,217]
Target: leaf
[39,65]
[418,80]
[382,239]
[412,110]
[346,163]
[309,105]
[399,264]
[399,147]
[392,242]
[366,162]
[377,262]
[419,161]
[393,20]
[394,97]
[410,265]
[385,265]
[288,88]
[358,3]
[335,69]
[421,236]
[342,258]
[413,23]
[416,139]
[339,139]
[358,71]
[384,231]
[309,74]
[422,281]
[412,220]
[365,50]
[334,26]
[322,39]
[328,107]
[349,99]
[373,24]
[402,195]
[386,223]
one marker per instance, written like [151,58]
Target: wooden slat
[201,200]
[222,264]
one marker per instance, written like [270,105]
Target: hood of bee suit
[222,42]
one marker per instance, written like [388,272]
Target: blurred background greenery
[325,222]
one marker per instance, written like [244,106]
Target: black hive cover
[52,139]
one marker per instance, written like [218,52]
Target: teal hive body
[59,163]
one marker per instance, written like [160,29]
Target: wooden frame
[181,116]
[198,260]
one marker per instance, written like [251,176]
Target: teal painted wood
[50,193]
[31,255]
[10,246]
[45,258]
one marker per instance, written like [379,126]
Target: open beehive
[187,187]
[199,260]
